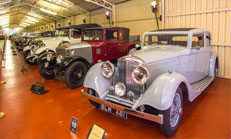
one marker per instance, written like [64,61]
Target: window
[167,39]
[121,34]
[111,35]
[93,35]
[198,41]
[208,40]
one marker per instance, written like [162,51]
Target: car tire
[93,93]
[75,74]
[26,54]
[44,73]
[172,116]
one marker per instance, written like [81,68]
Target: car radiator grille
[61,52]
[125,68]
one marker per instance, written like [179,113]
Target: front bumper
[154,118]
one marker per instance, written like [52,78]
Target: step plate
[202,84]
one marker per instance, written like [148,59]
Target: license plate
[113,111]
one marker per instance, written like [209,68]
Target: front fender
[43,55]
[95,80]
[161,92]
[26,48]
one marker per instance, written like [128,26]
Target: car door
[111,50]
[199,58]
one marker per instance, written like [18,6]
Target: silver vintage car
[150,83]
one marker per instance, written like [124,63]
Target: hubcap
[175,110]
[80,75]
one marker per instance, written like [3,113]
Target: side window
[208,40]
[111,35]
[121,34]
[198,41]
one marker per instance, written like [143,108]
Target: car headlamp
[140,75]
[120,89]
[59,59]
[49,56]
[107,69]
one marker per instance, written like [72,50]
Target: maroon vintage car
[98,44]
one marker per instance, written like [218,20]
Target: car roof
[180,30]
[107,28]
[81,26]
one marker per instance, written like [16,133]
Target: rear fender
[212,62]
[161,92]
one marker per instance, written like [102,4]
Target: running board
[202,84]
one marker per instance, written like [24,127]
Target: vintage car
[98,44]
[35,43]
[150,83]
[70,34]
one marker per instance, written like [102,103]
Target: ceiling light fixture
[4,17]
[4,23]
[28,21]
[22,25]
[31,19]
[56,4]
[25,23]
[5,2]
[47,11]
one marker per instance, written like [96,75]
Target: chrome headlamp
[49,56]
[140,75]
[107,69]
[120,89]
[59,59]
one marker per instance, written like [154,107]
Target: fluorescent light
[5,2]
[4,23]
[56,5]
[47,11]
[22,25]
[25,23]
[4,17]
[29,21]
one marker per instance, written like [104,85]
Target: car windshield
[93,35]
[63,32]
[166,39]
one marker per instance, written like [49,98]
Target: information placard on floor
[96,132]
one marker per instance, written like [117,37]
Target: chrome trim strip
[154,118]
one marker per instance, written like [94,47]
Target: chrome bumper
[155,118]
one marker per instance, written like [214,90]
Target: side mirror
[138,47]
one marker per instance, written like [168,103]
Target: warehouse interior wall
[213,15]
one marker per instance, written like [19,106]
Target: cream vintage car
[150,83]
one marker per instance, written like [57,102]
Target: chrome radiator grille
[125,68]
[61,52]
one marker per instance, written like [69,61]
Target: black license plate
[113,111]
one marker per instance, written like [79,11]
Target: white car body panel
[54,42]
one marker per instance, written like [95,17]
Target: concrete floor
[48,116]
